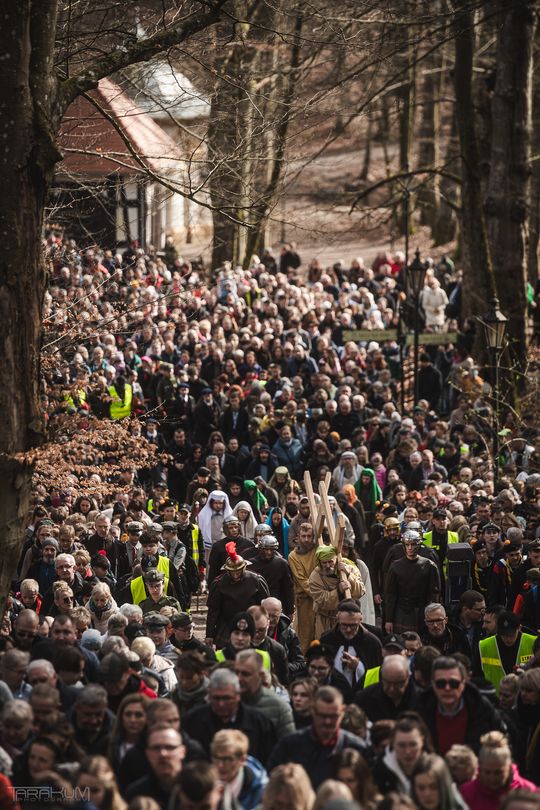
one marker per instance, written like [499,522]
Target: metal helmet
[230,519]
[414,526]
[391,523]
[261,529]
[269,541]
[412,536]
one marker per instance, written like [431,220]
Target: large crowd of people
[376,648]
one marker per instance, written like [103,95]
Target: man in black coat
[270,564]
[279,629]
[454,710]
[224,710]
[395,692]
[316,747]
[430,381]
[218,553]
[233,592]
[355,649]
[235,420]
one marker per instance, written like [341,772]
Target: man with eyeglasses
[438,633]
[356,650]
[165,753]
[453,709]
[65,567]
[315,747]
[396,691]
[225,710]
[25,629]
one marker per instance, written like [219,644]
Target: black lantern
[494,324]
[416,274]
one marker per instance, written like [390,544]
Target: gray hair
[113,644]
[65,558]
[131,611]
[432,607]
[17,711]
[224,679]
[92,695]
[41,663]
[116,622]
[15,658]
[250,655]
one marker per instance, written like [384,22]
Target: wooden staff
[325,503]
[340,534]
[317,515]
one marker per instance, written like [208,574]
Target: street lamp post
[494,323]
[416,275]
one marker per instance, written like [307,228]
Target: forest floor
[315,212]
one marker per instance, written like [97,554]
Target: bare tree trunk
[364,172]
[479,284]
[534,210]
[507,199]
[445,226]
[28,161]
[406,96]
[428,195]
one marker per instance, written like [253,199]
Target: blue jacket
[255,781]
[289,456]
[284,539]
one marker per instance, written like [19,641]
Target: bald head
[395,675]
[274,608]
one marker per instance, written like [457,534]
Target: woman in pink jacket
[497,775]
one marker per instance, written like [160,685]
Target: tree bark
[26,170]
[507,199]
[479,283]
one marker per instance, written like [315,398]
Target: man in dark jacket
[429,381]
[224,710]
[231,593]
[270,564]
[218,553]
[279,629]
[165,753]
[396,691]
[262,641]
[446,638]
[356,649]
[454,710]
[316,747]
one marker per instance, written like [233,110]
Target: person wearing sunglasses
[454,710]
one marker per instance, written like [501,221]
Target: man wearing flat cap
[332,581]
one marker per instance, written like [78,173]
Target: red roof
[99,149]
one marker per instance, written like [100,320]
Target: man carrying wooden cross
[332,581]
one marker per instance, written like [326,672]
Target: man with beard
[302,562]
[329,583]
[411,584]
[211,518]
[231,593]
[356,650]
[218,554]
[303,516]
[277,574]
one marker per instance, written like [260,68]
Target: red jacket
[479,797]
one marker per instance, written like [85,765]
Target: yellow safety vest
[119,409]
[138,588]
[195,544]
[491,657]
[452,538]
[81,396]
[267,661]
[372,676]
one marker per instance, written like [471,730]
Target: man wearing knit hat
[332,580]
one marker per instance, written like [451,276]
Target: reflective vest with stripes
[138,589]
[119,409]
[491,658]
[267,662]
